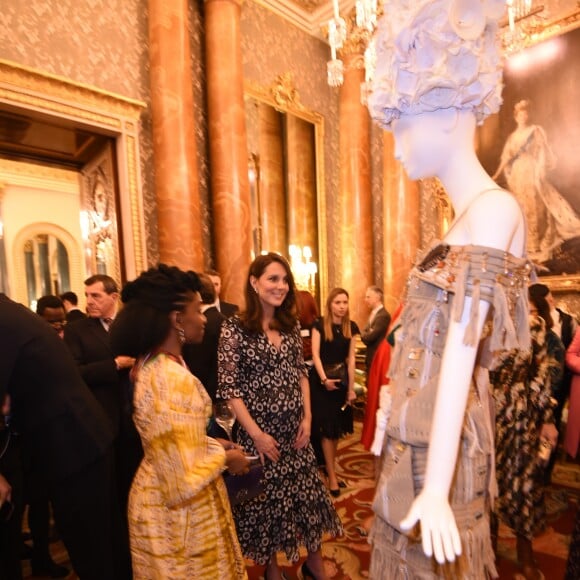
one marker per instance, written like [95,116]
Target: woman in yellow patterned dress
[180,522]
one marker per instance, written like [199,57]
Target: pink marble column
[174,146]
[228,146]
[401,222]
[355,228]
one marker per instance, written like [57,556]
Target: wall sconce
[303,268]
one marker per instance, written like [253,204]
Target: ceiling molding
[313,21]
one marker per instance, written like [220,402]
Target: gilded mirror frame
[284,97]
[39,93]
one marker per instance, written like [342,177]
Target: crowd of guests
[109,412]
[116,402]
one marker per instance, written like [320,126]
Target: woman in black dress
[261,371]
[332,381]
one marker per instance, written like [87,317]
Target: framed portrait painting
[531,148]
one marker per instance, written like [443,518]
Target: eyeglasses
[57,323]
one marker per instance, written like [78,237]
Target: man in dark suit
[226,308]
[107,376]
[66,437]
[202,358]
[88,341]
[71,302]
[376,329]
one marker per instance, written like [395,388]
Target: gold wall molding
[41,176]
[36,92]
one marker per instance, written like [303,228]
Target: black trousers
[87,514]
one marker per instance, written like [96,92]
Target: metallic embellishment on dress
[415,354]
[434,258]
[412,372]
[484,258]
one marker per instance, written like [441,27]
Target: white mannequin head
[436,54]
[427,144]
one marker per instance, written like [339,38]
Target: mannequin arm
[438,528]
[439,532]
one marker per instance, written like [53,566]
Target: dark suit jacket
[567,334]
[62,426]
[89,344]
[228,309]
[373,334]
[202,358]
[74,315]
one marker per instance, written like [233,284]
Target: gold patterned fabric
[180,521]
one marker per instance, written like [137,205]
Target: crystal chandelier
[520,25]
[367,14]
[303,268]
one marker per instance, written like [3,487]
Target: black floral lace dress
[521,389]
[295,509]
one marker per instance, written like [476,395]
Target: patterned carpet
[347,558]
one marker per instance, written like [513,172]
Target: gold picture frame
[529,147]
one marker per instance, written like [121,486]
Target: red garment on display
[376,378]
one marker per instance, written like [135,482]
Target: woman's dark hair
[143,323]
[543,309]
[285,317]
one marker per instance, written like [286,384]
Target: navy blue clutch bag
[245,487]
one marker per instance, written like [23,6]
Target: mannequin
[449,155]
[438,447]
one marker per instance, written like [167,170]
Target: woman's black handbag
[335,371]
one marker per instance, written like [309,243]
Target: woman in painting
[439,74]
[332,380]
[180,523]
[262,373]
[526,160]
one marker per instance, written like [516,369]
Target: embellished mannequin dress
[436,292]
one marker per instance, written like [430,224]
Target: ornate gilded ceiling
[313,15]
[309,15]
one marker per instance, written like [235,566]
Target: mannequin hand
[237,462]
[550,433]
[331,384]
[303,436]
[439,533]
[267,446]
